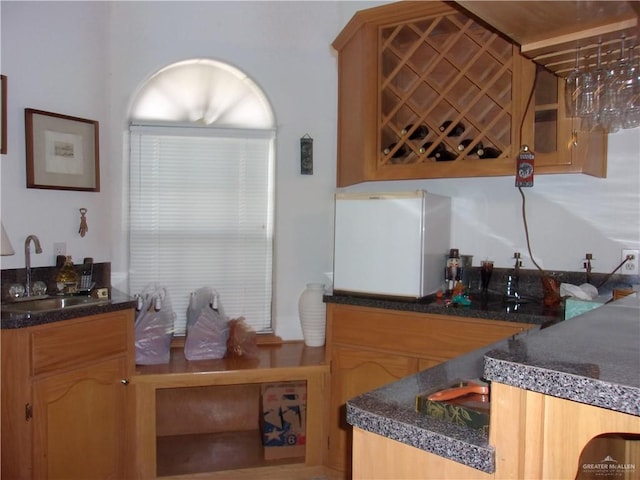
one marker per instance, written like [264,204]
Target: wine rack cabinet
[425,91]
[442,72]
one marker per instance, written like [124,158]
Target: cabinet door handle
[124,381]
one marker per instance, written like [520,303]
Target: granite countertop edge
[578,388]
[479,456]
[390,411]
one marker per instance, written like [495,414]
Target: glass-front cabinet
[427,92]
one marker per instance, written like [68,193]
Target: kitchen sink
[50,304]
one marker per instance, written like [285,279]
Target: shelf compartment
[213,452]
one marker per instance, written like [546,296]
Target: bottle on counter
[67,277]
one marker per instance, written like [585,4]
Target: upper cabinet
[428,90]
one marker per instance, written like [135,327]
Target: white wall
[54,60]
[567,215]
[87,59]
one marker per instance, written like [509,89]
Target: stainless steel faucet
[512,291]
[27,260]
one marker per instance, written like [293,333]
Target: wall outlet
[630,267]
[59,248]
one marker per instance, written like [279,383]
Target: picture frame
[3,114]
[62,151]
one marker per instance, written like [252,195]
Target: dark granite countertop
[593,358]
[118,301]
[491,307]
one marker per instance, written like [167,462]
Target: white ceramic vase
[312,312]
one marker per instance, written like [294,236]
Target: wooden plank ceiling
[549,32]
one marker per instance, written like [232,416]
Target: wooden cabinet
[355,371]
[371,347]
[553,433]
[65,402]
[561,144]
[411,73]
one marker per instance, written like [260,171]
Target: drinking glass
[486,270]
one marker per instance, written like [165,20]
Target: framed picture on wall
[62,152]
[3,114]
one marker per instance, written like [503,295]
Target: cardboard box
[284,419]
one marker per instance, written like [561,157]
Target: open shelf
[213,452]
[204,416]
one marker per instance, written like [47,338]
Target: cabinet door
[354,372]
[79,421]
[561,144]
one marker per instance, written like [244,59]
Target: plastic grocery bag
[153,327]
[207,326]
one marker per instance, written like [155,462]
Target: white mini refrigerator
[390,244]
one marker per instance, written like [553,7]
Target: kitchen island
[553,390]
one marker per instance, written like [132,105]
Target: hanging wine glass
[586,103]
[613,104]
[593,87]
[632,88]
[573,88]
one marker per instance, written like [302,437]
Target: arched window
[202,189]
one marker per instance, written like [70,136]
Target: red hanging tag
[524,167]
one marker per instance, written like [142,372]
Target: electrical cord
[524,212]
[526,230]
[614,271]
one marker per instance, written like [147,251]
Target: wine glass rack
[450,77]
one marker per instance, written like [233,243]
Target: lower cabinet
[371,347]
[65,401]
[354,371]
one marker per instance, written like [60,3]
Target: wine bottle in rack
[456,131]
[466,142]
[402,151]
[425,146]
[441,154]
[489,152]
[418,134]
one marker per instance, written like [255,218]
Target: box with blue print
[283,419]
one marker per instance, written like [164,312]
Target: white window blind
[201,214]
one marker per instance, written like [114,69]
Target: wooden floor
[297,471]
